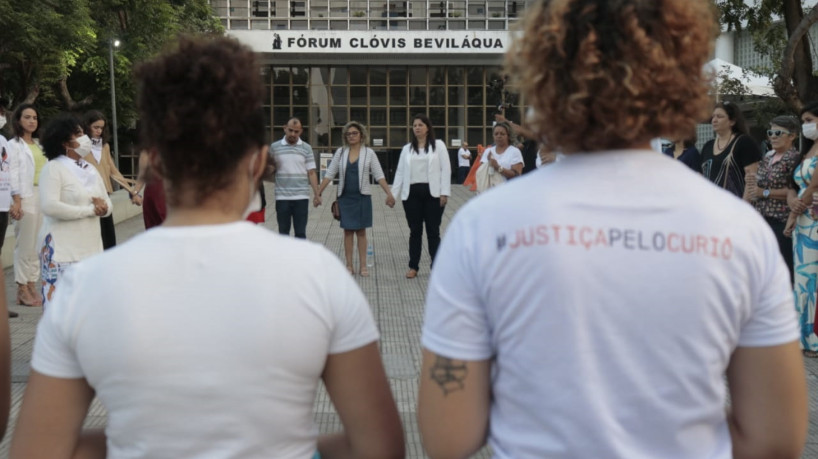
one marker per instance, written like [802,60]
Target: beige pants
[26,230]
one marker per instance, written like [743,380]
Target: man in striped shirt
[295,174]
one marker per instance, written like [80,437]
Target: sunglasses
[776,132]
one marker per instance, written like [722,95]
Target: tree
[780,31]
[56,51]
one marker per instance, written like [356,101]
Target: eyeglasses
[776,132]
[352,133]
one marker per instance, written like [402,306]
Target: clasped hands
[100,206]
[390,201]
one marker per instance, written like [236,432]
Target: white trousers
[26,231]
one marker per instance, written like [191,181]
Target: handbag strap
[729,160]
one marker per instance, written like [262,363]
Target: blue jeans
[295,212]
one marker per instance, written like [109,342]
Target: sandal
[351,270]
[810,354]
[364,272]
[26,297]
[412,273]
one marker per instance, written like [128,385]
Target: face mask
[85,146]
[254,203]
[2,121]
[810,131]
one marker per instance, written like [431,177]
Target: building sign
[375,42]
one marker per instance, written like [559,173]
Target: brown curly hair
[200,108]
[608,74]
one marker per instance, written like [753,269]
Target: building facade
[328,62]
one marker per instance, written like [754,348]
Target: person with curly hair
[732,157]
[72,200]
[423,180]
[94,124]
[355,161]
[644,285]
[26,160]
[152,342]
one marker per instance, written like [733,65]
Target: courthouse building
[379,62]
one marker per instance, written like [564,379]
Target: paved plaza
[397,305]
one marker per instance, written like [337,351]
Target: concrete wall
[123,210]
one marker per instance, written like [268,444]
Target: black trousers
[106,228]
[784,243]
[422,208]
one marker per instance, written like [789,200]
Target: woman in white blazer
[72,198]
[26,159]
[355,161]
[423,182]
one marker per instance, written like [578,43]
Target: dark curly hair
[430,136]
[200,109]
[57,132]
[18,114]
[92,116]
[607,74]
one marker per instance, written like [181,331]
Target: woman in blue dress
[353,163]
[803,225]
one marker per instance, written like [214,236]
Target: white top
[293,162]
[208,342]
[440,172]
[68,212]
[22,168]
[5,176]
[420,167]
[615,340]
[367,163]
[506,159]
[461,161]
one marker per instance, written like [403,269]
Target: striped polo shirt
[292,163]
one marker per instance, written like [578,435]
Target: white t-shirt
[612,316]
[508,158]
[461,161]
[208,342]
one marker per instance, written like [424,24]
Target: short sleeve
[746,152]
[54,348]
[456,325]
[517,157]
[353,325]
[309,157]
[772,320]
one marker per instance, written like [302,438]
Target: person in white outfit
[72,199]
[614,304]
[213,334]
[26,160]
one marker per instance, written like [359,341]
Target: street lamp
[113,43]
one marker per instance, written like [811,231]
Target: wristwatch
[500,169]
[766,193]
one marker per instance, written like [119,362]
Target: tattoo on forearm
[449,374]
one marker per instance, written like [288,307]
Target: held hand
[807,200]
[136,200]
[789,226]
[16,211]
[100,206]
[751,178]
[390,201]
[751,191]
[443,201]
[316,201]
[796,205]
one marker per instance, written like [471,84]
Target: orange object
[470,181]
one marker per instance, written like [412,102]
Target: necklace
[719,147]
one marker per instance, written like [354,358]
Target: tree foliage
[56,52]
[779,29]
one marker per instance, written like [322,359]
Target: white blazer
[367,162]
[21,161]
[440,172]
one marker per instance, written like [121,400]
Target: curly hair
[200,108]
[607,74]
[57,132]
[361,129]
